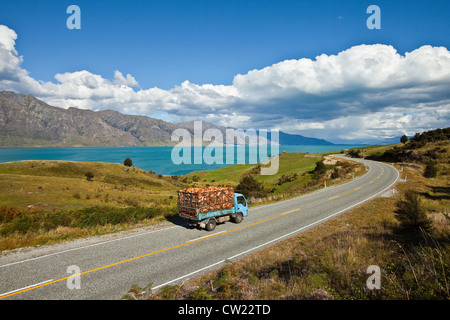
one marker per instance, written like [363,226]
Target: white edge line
[33,285]
[283,236]
[187,275]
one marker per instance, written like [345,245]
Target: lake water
[158,159]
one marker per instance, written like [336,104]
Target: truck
[205,207]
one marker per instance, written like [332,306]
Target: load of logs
[192,201]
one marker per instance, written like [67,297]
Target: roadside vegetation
[406,234]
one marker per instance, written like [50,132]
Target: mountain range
[26,121]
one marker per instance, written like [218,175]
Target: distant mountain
[284,138]
[287,139]
[26,121]
[240,136]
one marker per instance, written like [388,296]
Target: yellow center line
[145,255]
[378,177]
[345,193]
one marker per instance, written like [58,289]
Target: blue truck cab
[208,219]
[241,204]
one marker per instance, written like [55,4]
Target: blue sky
[163,44]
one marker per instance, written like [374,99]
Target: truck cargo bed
[199,203]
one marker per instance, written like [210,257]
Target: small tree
[411,213]
[404,139]
[128,162]
[89,176]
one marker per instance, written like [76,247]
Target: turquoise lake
[158,159]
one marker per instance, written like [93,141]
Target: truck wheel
[238,217]
[211,225]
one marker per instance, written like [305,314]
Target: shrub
[411,214]
[13,220]
[89,176]
[404,139]
[287,178]
[355,153]
[430,170]
[128,162]
[335,173]
[250,187]
[320,169]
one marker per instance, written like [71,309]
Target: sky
[304,67]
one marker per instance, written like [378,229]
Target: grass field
[44,202]
[59,185]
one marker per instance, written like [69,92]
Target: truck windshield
[241,200]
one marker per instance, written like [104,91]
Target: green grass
[300,164]
[289,163]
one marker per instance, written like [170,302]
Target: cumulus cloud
[363,92]
[129,80]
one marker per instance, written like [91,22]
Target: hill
[26,121]
[421,148]
[43,202]
[29,122]
[287,139]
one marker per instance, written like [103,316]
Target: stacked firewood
[192,201]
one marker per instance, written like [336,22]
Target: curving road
[108,269]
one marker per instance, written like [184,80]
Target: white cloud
[364,91]
[121,80]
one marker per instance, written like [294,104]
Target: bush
[89,176]
[404,139]
[335,173]
[355,153]
[320,169]
[287,178]
[430,170]
[250,187]
[128,162]
[411,214]
[25,221]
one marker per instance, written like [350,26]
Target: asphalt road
[108,269]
